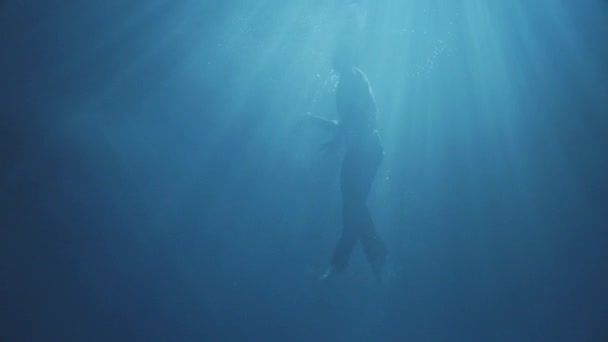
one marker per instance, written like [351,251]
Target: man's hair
[344,57]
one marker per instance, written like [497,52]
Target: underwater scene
[304,170]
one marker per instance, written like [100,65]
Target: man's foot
[328,274]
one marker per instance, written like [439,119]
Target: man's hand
[323,122]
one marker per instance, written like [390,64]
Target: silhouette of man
[356,131]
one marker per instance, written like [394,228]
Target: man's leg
[374,248]
[344,248]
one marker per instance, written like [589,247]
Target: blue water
[157,182]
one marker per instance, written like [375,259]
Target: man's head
[343,59]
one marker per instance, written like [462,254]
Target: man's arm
[323,122]
[333,125]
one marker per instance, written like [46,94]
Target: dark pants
[359,168]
